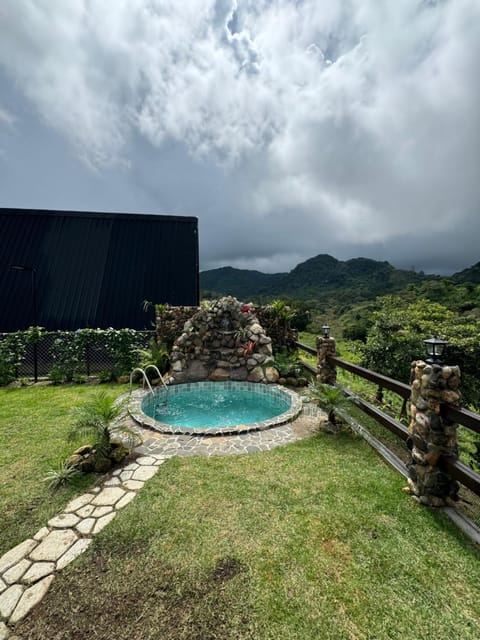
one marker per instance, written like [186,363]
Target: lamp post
[435,348]
[326,331]
[33,271]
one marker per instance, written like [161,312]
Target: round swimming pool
[214,408]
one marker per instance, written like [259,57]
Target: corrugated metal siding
[94,270]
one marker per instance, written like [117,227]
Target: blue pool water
[215,405]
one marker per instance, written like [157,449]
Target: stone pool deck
[27,570]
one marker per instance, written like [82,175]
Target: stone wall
[223,341]
[432,437]
[170,322]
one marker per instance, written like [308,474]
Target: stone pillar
[432,437]
[326,372]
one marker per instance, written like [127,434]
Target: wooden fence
[457,469]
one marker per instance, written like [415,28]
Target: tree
[399,328]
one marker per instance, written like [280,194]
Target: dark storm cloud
[289,128]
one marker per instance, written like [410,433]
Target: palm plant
[103,419]
[156,354]
[330,398]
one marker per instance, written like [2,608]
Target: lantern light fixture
[435,348]
[326,331]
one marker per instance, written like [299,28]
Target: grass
[392,403]
[34,423]
[311,540]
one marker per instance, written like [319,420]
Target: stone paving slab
[9,600]
[54,545]
[30,598]
[78,548]
[16,554]
[14,574]
[38,571]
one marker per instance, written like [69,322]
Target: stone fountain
[223,341]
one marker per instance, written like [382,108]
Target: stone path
[27,570]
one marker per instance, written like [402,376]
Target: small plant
[157,354]
[288,364]
[103,420]
[106,376]
[61,476]
[475,457]
[329,398]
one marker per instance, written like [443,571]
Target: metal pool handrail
[155,368]
[145,379]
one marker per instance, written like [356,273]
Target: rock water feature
[221,342]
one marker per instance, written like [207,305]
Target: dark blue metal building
[71,270]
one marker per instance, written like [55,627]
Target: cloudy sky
[289,127]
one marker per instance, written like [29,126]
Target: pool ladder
[146,380]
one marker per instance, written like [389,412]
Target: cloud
[298,127]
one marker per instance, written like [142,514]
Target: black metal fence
[37,359]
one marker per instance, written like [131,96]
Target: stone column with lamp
[326,372]
[432,438]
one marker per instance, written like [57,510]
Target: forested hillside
[318,278]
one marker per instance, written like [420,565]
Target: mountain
[472,274]
[240,283]
[318,277]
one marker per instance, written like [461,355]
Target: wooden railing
[466,418]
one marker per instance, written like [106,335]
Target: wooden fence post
[433,438]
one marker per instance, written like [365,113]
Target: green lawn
[311,541]
[34,423]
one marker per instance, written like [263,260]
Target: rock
[271,374]
[256,375]
[74,460]
[219,375]
[256,329]
[84,451]
[450,397]
[88,464]
[102,465]
[196,371]
[239,374]
[118,453]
